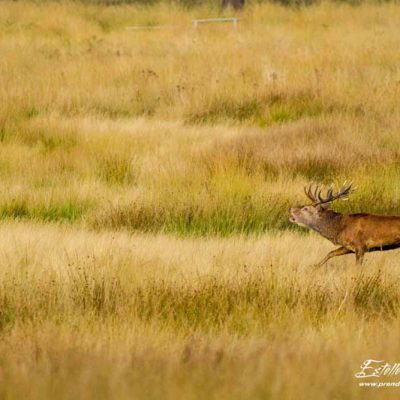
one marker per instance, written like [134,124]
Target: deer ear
[325,206]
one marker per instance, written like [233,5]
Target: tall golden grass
[145,180]
[114,315]
[194,131]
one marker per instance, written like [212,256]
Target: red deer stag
[354,233]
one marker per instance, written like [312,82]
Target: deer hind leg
[341,251]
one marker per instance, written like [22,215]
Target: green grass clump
[70,211]
[263,109]
[114,169]
[202,216]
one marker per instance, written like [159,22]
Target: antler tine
[329,195]
[320,198]
[311,193]
[315,194]
[343,193]
[308,190]
[346,190]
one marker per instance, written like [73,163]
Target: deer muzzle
[292,214]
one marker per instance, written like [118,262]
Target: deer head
[317,214]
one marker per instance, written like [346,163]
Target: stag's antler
[315,194]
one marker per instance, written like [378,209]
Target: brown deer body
[354,233]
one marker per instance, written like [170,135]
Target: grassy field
[145,181]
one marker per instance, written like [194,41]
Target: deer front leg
[341,251]
[359,256]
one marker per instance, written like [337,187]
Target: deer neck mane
[329,225]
